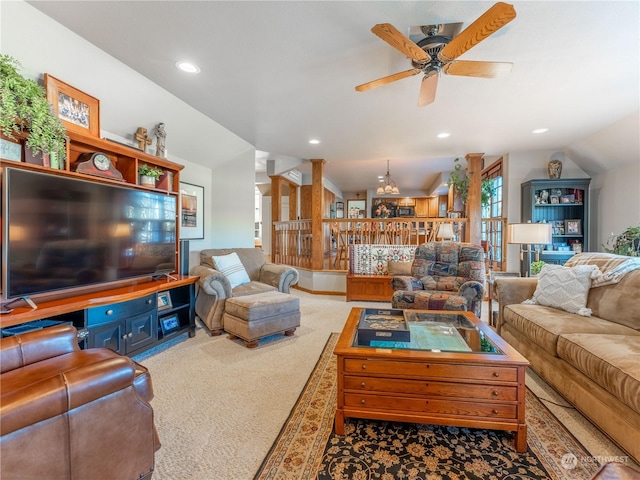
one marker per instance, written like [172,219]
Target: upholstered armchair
[444,276]
[217,283]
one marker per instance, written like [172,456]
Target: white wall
[214,157]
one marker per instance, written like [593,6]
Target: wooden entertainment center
[128,316]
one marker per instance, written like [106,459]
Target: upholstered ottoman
[253,317]
[427,300]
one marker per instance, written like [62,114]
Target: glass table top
[434,331]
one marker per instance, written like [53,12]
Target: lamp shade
[445,231]
[529,233]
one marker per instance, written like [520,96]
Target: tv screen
[62,232]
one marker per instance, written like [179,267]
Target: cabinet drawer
[432,389]
[109,313]
[429,406]
[430,370]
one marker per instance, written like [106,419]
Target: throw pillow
[231,267]
[399,268]
[566,288]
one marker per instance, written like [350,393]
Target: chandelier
[387,186]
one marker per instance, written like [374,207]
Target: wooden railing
[293,239]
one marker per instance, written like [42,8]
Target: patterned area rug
[306,447]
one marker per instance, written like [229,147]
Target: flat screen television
[63,233]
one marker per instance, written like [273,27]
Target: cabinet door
[110,335]
[141,330]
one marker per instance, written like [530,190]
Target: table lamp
[445,232]
[528,234]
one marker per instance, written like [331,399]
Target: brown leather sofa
[67,413]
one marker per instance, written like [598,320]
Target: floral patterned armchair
[444,276]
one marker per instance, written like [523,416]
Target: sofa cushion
[544,325]
[399,268]
[252,288]
[609,360]
[232,268]
[444,283]
[565,288]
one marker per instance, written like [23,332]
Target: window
[492,224]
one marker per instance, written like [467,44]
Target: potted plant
[627,243]
[24,109]
[460,182]
[536,267]
[149,175]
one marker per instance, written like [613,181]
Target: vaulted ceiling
[278,74]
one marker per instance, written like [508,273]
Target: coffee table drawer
[430,406]
[436,389]
[430,370]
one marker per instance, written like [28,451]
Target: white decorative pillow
[566,288]
[231,267]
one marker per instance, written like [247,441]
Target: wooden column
[474,198]
[276,209]
[317,209]
[293,201]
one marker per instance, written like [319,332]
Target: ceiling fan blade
[428,90]
[470,68]
[384,80]
[397,40]
[490,21]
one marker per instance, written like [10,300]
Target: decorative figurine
[161,135]
[142,139]
[555,169]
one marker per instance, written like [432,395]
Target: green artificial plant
[536,267]
[24,108]
[460,182]
[627,243]
[147,171]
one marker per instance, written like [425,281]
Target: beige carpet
[220,406]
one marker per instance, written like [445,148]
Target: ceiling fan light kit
[387,186]
[437,52]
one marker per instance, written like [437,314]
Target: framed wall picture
[573,227]
[78,111]
[191,211]
[164,301]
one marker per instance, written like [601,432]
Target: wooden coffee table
[454,371]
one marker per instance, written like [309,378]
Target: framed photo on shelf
[191,212]
[164,301]
[573,227]
[568,198]
[10,149]
[555,199]
[169,324]
[78,111]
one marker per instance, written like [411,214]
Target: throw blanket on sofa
[612,268]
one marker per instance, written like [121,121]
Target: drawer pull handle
[364,367]
[124,337]
[362,384]
[149,301]
[495,393]
[495,412]
[496,374]
[130,335]
[362,401]
[109,312]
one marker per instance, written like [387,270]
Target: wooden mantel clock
[97,164]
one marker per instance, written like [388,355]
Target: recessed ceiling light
[187,67]
[540,130]
[314,141]
[444,135]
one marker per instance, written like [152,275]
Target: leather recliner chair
[67,413]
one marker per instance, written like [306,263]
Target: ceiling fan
[438,51]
